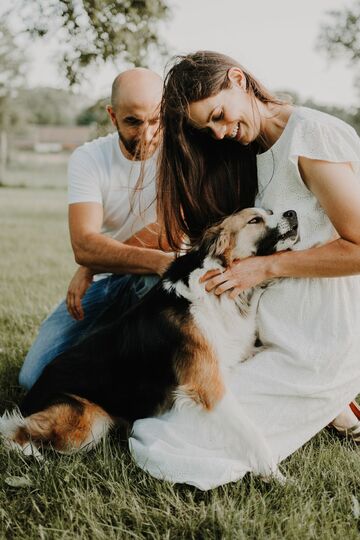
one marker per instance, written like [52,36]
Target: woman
[219,123]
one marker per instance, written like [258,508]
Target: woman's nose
[219,132]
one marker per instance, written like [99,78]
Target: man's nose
[219,132]
[150,133]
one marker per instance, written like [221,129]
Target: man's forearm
[103,254]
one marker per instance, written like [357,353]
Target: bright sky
[275,39]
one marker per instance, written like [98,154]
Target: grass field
[103,495]
[29,169]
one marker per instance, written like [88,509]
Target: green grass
[103,495]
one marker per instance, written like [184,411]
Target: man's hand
[78,286]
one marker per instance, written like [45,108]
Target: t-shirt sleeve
[83,178]
[335,141]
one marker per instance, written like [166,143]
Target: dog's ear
[219,241]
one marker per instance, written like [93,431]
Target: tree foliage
[341,34]
[11,60]
[93,31]
[48,106]
[96,114]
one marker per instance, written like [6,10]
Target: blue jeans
[60,331]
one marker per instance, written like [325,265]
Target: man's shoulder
[102,146]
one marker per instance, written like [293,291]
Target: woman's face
[231,114]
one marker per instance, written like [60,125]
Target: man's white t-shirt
[99,172]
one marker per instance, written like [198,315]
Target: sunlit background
[48,105]
[276,40]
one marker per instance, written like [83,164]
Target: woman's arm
[337,189]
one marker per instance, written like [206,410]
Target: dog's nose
[290,214]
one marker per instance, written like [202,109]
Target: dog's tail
[69,426]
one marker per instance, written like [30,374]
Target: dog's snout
[290,214]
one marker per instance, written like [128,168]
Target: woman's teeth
[234,131]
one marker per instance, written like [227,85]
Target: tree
[97,115]
[49,106]
[340,36]
[11,61]
[94,31]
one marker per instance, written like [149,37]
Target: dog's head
[253,231]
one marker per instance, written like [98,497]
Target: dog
[176,347]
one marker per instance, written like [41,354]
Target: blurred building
[48,139]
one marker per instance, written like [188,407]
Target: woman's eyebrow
[196,126]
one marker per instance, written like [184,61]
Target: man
[112,225]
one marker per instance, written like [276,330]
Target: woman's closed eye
[218,116]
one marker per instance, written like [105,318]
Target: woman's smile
[235,131]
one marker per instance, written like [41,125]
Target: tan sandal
[352,433]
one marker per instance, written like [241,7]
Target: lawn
[103,495]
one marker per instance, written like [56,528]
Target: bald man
[112,225]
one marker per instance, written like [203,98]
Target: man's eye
[133,122]
[255,220]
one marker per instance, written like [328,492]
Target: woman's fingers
[209,274]
[216,281]
[235,292]
[226,286]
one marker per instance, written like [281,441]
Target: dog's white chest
[230,331]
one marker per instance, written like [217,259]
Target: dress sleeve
[335,141]
[83,178]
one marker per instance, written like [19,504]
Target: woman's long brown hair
[201,180]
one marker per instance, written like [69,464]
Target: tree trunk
[3,155]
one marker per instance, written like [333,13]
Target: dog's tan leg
[198,371]
[66,427]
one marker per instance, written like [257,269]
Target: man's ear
[111,114]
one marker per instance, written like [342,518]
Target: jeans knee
[25,379]
[144,284]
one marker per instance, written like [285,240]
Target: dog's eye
[257,219]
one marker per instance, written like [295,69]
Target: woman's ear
[237,77]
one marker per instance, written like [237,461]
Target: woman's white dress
[310,368]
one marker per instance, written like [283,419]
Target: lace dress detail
[310,367]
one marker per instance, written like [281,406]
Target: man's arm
[103,254]
[96,252]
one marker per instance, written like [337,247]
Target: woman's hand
[78,286]
[241,275]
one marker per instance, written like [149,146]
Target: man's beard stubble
[133,146]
